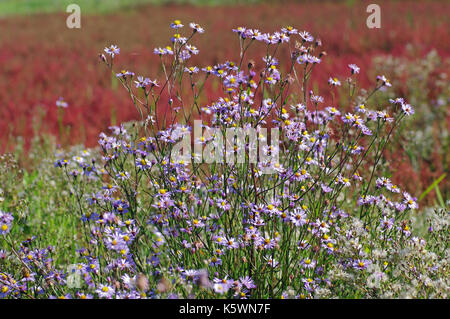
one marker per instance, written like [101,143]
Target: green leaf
[439,196]
[430,188]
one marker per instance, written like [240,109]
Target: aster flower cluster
[313,221]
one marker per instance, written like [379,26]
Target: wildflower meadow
[236,177]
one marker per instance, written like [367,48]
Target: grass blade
[430,188]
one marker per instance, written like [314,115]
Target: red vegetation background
[41,59]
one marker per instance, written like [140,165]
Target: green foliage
[20,7]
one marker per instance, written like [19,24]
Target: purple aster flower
[142,82]
[254,35]
[196,223]
[400,206]
[241,31]
[383,182]
[191,70]
[298,217]
[271,261]
[397,101]
[409,201]
[393,188]
[143,163]
[302,59]
[220,288]
[192,49]
[105,291]
[231,243]
[5,222]
[215,261]
[247,282]
[112,50]
[306,37]
[124,74]
[407,109]
[385,116]
[316,98]
[386,224]
[361,264]
[309,284]
[289,30]
[163,51]
[384,80]
[223,204]
[176,24]
[185,55]
[312,59]
[123,175]
[115,242]
[333,111]
[82,295]
[354,68]
[308,263]
[266,243]
[196,27]
[334,82]
[325,188]
[61,103]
